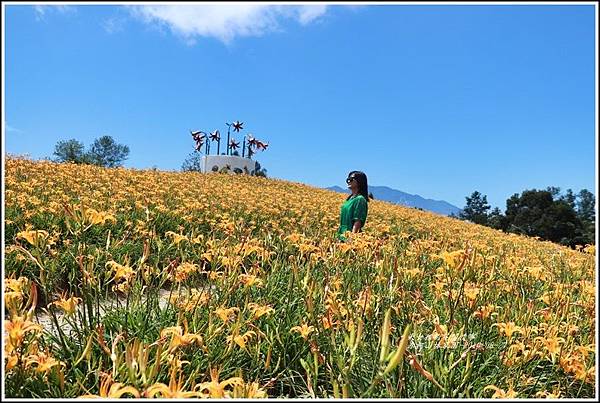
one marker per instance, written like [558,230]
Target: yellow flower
[121,272]
[508,329]
[304,330]
[259,310]
[249,280]
[183,271]
[294,238]
[518,352]
[452,259]
[175,390]
[215,388]
[546,298]
[471,292]
[500,393]
[176,237]
[43,361]
[180,337]
[95,217]
[551,344]
[328,322]
[227,314]
[34,237]
[69,305]
[439,331]
[16,285]
[11,361]
[208,256]
[17,327]
[241,340]
[108,389]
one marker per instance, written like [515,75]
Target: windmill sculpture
[254,145]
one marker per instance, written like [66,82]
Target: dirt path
[45,319]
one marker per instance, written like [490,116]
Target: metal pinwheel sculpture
[237,126]
[253,143]
[216,136]
[261,146]
[199,137]
[234,144]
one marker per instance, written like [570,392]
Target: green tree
[476,209]
[496,219]
[586,211]
[586,205]
[536,213]
[108,153]
[259,171]
[70,151]
[569,198]
[193,162]
[554,191]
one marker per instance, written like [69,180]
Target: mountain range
[398,197]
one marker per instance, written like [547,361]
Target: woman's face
[352,184]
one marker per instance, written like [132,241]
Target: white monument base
[227,163]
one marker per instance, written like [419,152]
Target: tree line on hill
[105,152]
[567,219]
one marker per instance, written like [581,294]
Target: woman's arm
[357,226]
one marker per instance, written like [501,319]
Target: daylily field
[234,286]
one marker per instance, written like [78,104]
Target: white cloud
[40,11]
[225,21]
[113,24]
[9,128]
[306,14]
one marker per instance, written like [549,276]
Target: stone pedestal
[227,163]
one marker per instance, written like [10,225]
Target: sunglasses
[350,180]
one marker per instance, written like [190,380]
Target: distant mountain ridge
[398,197]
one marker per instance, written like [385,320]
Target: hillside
[399,197]
[265,302]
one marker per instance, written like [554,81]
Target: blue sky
[435,100]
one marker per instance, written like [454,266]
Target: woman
[354,210]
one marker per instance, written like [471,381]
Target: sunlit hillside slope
[263,301]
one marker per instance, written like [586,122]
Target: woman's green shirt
[355,208]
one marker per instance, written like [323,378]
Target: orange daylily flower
[17,327]
[259,310]
[110,389]
[227,314]
[215,388]
[508,329]
[500,393]
[69,305]
[173,391]
[304,330]
[180,337]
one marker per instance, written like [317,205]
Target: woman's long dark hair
[363,187]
